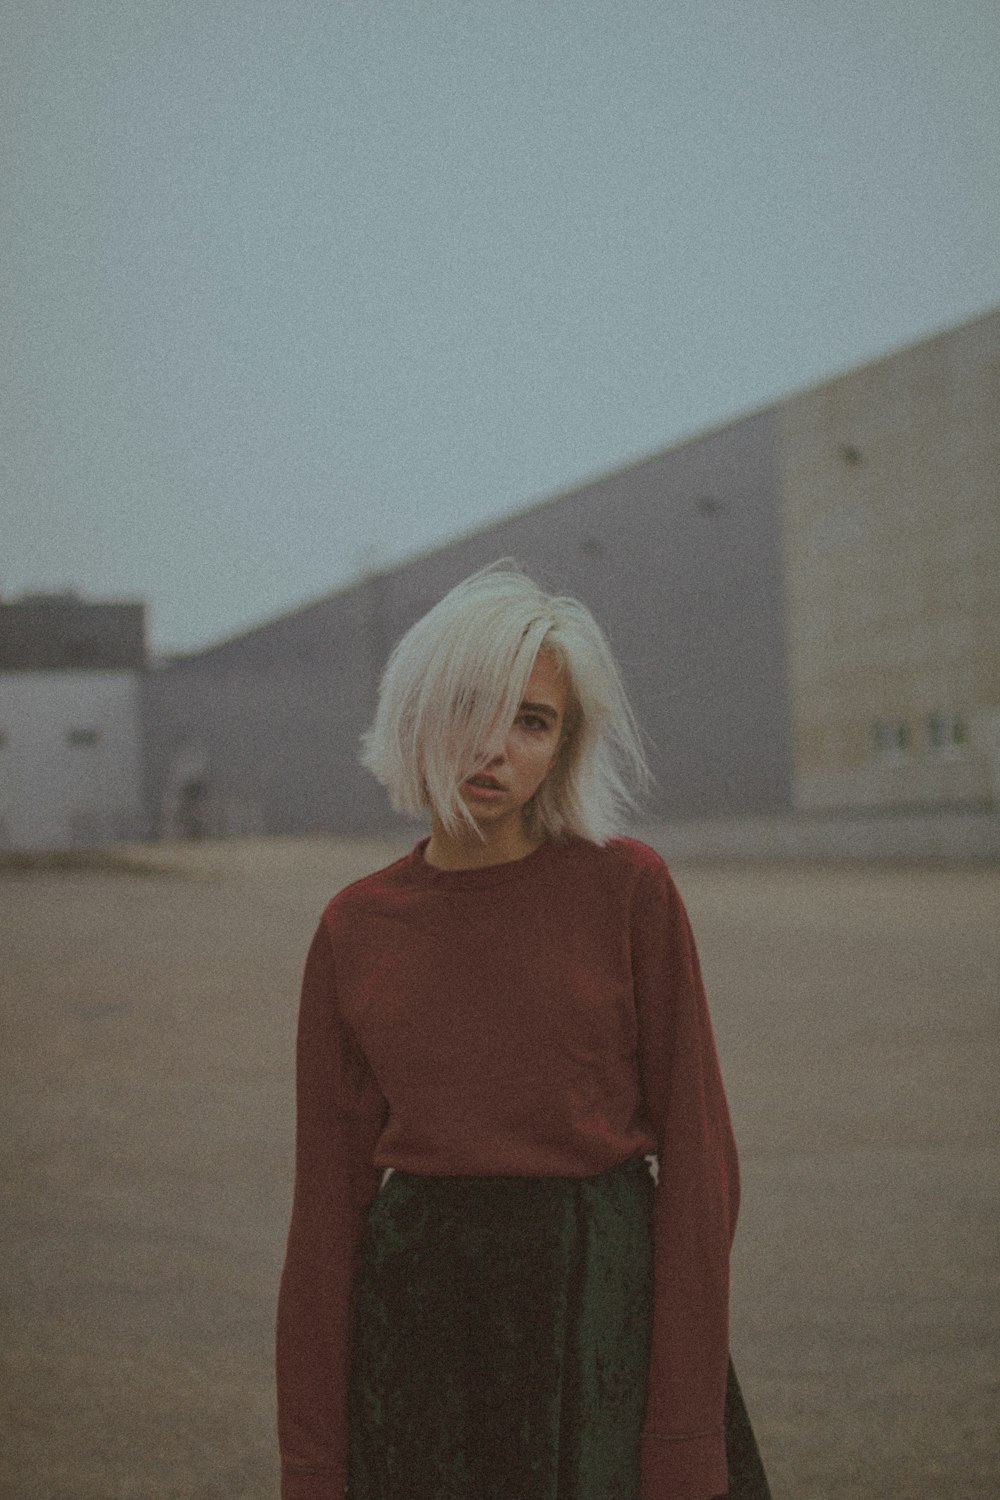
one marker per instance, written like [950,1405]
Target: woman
[516,1183]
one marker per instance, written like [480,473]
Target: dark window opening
[890,738]
[946,731]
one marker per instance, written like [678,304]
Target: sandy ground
[149,1017]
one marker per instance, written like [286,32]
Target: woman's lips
[484,785]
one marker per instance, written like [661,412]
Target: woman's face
[498,793]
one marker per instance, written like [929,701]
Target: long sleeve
[696,1202]
[339,1116]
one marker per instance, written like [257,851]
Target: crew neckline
[477,876]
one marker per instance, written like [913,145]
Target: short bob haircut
[451,691]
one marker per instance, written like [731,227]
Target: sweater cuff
[313,1484]
[683,1468]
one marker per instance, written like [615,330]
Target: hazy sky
[295,290]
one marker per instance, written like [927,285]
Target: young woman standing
[507,1273]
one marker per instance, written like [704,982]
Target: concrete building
[890,493]
[70,722]
[680,559]
[803,602]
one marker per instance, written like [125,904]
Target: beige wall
[890,483]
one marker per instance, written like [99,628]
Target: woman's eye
[533,721]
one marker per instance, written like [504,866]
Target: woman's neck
[467,851]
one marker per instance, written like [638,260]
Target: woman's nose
[493,752]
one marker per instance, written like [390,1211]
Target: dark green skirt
[502,1341]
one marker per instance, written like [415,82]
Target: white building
[70,722]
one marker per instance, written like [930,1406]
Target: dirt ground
[149,1016]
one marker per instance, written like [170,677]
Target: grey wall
[679,558]
[57,632]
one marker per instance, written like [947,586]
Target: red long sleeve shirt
[543,1017]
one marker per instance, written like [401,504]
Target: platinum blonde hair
[452,689]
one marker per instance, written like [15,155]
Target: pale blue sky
[295,290]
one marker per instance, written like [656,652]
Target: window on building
[890,739]
[83,738]
[4,741]
[946,731]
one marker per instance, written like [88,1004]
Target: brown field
[147,1084]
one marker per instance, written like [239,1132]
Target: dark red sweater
[544,1017]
